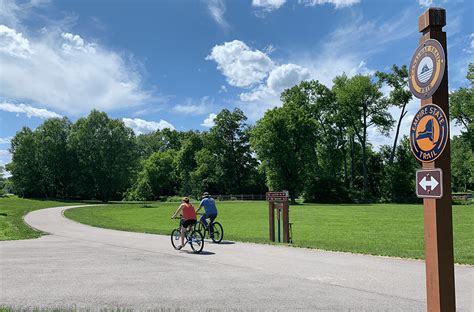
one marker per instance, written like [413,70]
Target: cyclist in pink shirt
[188,217]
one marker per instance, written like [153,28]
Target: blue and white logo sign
[427,69]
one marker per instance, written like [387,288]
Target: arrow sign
[429,183]
[433,183]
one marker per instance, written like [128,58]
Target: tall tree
[206,175]
[462,107]
[399,96]
[284,142]
[186,159]
[398,183]
[2,182]
[462,164]
[363,106]
[158,141]
[157,177]
[54,158]
[229,141]
[329,165]
[106,154]
[24,167]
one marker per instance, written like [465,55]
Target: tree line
[316,146]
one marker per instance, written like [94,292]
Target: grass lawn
[378,229]
[12,210]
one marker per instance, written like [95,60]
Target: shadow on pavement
[202,253]
[226,243]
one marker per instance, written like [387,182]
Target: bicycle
[218,231]
[192,236]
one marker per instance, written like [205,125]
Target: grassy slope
[384,229]
[12,210]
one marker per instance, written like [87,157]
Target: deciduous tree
[106,154]
[363,106]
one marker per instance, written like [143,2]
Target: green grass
[379,229]
[12,210]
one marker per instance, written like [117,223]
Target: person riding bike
[210,210]
[188,217]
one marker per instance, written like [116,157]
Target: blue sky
[171,63]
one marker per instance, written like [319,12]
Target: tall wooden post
[286,222]
[438,212]
[271,220]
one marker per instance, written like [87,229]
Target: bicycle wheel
[196,240]
[218,233]
[175,238]
[199,226]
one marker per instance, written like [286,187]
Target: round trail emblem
[429,133]
[427,69]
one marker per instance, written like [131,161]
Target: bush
[326,190]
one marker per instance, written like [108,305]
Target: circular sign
[429,133]
[426,69]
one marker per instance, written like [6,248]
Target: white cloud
[470,48]
[30,111]
[425,3]
[193,108]
[337,3]
[5,158]
[279,79]
[255,70]
[209,121]
[72,41]
[65,72]
[5,140]
[216,10]
[241,66]
[12,12]
[345,50]
[140,126]
[13,43]
[268,5]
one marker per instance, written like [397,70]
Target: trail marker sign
[427,69]
[429,183]
[429,133]
[277,196]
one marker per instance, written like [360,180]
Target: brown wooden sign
[277,196]
[278,201]
[429,183]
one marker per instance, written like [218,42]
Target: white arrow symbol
[424,183]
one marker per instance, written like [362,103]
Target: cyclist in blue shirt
[210,210]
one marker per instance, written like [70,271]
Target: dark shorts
[186,223]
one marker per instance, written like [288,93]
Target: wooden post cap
[433,17]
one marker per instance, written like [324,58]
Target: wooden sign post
[430,143]
[279,201]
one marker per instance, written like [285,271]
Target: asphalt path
[83,267]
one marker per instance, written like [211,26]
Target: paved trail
[86,267]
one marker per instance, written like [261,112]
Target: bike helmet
[185,199]
[205,194]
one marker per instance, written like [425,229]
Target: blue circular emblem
[429,133]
